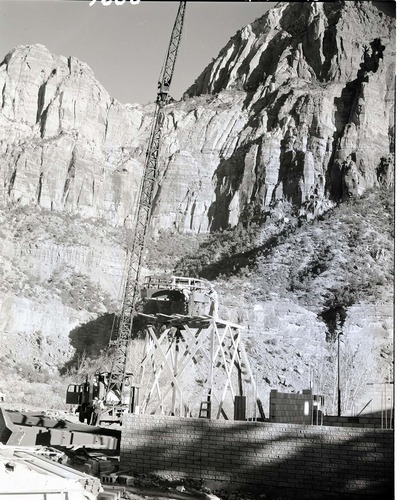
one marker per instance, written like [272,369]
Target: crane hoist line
[117,383]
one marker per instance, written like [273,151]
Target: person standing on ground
[98,406]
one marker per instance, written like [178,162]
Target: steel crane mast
[117,378]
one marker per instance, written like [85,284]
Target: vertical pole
[212,327]
[381,405]
[255,399]
[239,365]
[312,406]
[175,371]
[386,404]
[338,379]
[392,396]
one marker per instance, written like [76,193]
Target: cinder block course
[268,454]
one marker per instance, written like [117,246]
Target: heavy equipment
[115,387]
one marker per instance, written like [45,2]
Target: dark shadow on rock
[90,339]
[267,65]
[272,102]
[230,265]
[228,177]
[347,111]
[291,173]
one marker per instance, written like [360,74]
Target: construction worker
[98,407]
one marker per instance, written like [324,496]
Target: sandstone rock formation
[297,110]
[297,106]
[319,91]
[64,139]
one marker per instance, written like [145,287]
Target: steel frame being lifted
[175,343]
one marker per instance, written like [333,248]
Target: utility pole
[338,377]
[339,333]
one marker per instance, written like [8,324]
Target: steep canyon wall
[298,108]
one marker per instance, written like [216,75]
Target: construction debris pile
[29,472]
[135,486]
[83,474]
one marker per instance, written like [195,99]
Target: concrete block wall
[366,421]
[291,407]
[313,460]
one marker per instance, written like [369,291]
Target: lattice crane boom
[131,292]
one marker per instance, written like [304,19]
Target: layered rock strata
[296,110]
[298,106]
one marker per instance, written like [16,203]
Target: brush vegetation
[322,266]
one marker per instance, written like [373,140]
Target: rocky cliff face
[297,110]
[298,106]
[63,138]
[319,85]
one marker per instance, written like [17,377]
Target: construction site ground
[104,464]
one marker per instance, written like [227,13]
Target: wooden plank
[166,363]
[229,369]
[194,347]
[160,317]
[184,363]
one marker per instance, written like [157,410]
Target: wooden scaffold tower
[194,365]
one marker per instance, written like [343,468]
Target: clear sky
[126,45]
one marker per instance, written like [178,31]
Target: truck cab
[83,395]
